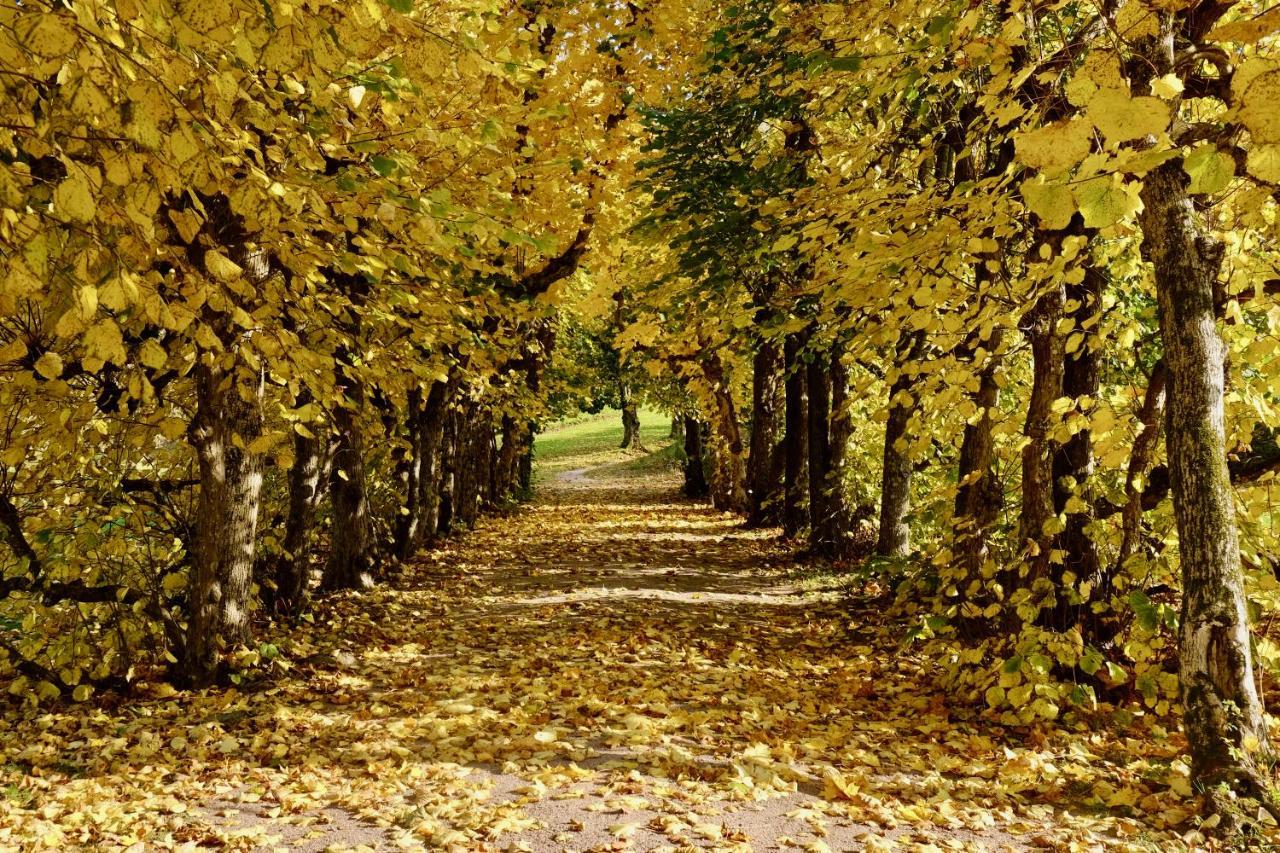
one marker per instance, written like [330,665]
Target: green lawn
[591,440]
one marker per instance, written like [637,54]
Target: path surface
[611,668]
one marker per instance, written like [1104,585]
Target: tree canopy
[975,298]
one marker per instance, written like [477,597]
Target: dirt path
[610,668]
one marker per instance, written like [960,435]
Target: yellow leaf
[221,267]
[1260,107]
[1055,147]
[835,786]
[152,355]
[1053,203]
[1122,118]
[1264,163]
[1168,87]
[1248,30]
[52,35]
[104,341]
[1104,201]
[73,198]
[49,365]
[1211,170]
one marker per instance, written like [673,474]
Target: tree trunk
[894,538]
[431,445]
[525,474]
[841,436]
[978,496]
[677,429]
[1140,458]
[764,485]
[822,533]
[1223,717]
[448,483]
[228,419]
[513,432]
[795,509]
[350,563]
[1040,325]
[1073,463]
[630,418]
[729,485]
[488,454]
[292,568]
[695,476]
[471,471]
[406,527]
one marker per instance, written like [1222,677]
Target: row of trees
[961,266]
[288,277]
[279,279]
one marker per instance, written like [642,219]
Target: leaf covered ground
[610,668]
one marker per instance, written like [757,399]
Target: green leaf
[1104,202]
[1053,203]
[1091,661]
[1144,610]
[1211,170]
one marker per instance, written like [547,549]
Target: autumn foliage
[973,300]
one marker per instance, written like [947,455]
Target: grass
[588,441]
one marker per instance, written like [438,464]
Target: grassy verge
[592,440]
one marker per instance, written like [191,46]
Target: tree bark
[487,452]
[448,483]
[228,419]
[292,568]
[1222,714]
[822,533]
[508,458]
[431,437]
[795,510]
[978,496]
[351,560]
[894,539]
[1040,325]
[406,533]
[695,476]
[1141,456]
[630,418]
[729,485]
[1073,460]
[841,436]
[764,485]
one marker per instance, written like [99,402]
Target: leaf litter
[610,668]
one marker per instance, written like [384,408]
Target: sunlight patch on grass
[592,441]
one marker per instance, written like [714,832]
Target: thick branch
[561,266]
[17,539]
